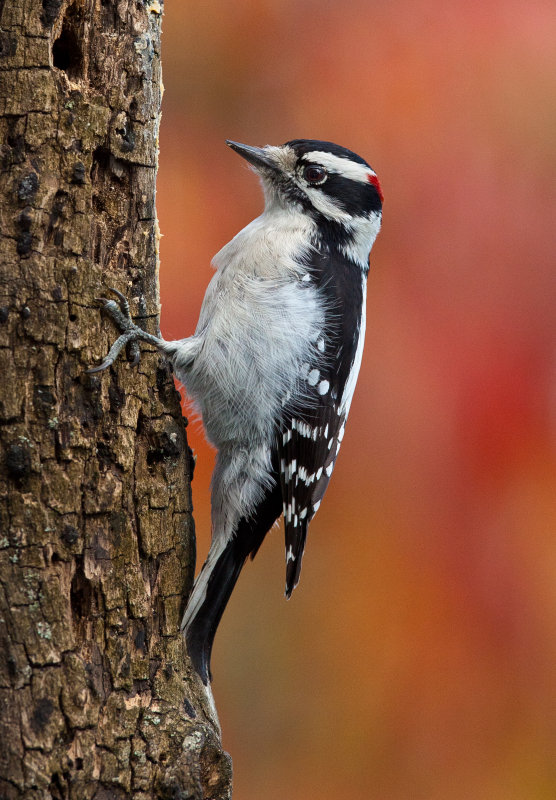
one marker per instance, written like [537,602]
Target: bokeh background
[417,657]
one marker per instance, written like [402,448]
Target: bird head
[332,184]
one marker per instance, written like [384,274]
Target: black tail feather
[224,572]
[200,631]
[295,545]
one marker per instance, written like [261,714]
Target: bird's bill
[257,156]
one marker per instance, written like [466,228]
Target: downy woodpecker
[273,362]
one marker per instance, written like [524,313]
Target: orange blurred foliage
[417,658]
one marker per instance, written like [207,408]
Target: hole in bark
[80,593]
[78,763]
[101,162]
[66,50]
[140,640]
[57,788]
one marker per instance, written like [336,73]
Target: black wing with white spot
[312,441]
[310,436]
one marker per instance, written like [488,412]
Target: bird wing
[312,430]
[309,444]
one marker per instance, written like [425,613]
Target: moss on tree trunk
[97,697]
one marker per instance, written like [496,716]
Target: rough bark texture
[97,699]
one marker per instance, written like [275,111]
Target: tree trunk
[97,698]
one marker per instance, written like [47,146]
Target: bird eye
[315,174]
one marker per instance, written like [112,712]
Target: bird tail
[217,578]
[207,602]
[295,545]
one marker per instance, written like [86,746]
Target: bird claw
[122,298]
[105,364]
[118,311]
[120,314]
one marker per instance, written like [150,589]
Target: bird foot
[130,332]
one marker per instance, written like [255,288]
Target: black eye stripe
[352,196]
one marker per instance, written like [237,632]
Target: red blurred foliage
[417,658]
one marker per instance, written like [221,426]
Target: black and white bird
[273,363]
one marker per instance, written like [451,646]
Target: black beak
[257,156]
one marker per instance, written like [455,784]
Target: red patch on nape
[376,183]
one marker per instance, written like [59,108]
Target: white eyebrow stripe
[342,166]
[327,205]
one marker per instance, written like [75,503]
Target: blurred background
[417,657]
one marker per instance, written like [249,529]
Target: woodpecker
[274,359]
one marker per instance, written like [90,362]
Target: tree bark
[97,697]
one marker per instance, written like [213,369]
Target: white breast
[256,327]
[272,245]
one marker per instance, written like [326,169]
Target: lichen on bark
[96,533]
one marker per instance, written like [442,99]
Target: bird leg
[130,332]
